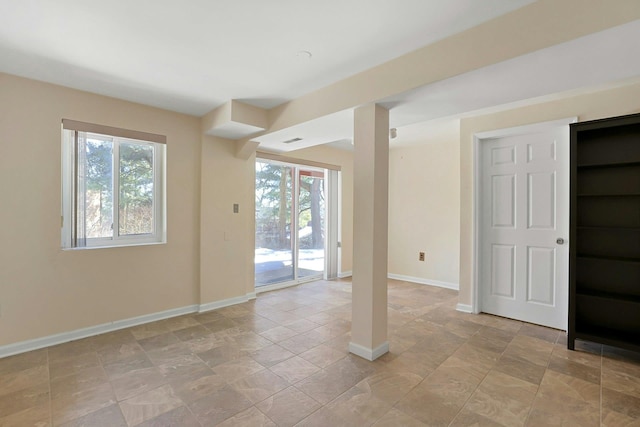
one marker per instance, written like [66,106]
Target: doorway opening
[292,224]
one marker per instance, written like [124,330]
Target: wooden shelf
[621,179]
[592,257]
[608,242]
[609,258]
[589,195]
[608,211]
[614,276]
[607,336]
[595,143]
[609,165]
[608,295]
[607,228]
[604,276]
[611,313]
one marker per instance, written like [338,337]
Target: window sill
[127,245]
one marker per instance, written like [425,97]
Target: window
[112,186]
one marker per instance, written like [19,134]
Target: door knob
[560,241]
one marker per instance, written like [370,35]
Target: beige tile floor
[281,360]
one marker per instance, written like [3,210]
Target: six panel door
[524,224]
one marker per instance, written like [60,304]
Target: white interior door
[524,227]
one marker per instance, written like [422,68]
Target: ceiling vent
[292,140]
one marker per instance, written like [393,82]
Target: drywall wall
[424,210]
[208,257]
[227,238]
[596,105]
[45,290]
[424,219]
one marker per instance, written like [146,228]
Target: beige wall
[227,238]
[344,159]
[418,220]
[606,103]
[209,252]
[45,290]
[424,210]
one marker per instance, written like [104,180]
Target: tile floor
[282,360]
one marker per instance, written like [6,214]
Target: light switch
[236,208]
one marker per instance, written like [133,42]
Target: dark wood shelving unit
[604,271]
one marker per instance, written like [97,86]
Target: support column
[370,227]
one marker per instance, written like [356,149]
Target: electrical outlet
[421,256]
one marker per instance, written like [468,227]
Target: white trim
[158,234]
[421,281]
[287,284]
[344,274]
[476,303]
[339,226]
[526,129]
[275,287]
[35,344]
[465,308]
[278,158]
[202,308]
[332,219]
[113,131]
[370,354]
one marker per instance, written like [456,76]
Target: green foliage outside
[135,205]
[273,207]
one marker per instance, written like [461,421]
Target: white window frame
[70,133]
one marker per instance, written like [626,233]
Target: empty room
[305,213]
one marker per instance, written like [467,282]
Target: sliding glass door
[290,223]
[274,261]
[311,223]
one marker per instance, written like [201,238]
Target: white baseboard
[276,286]
[37,343]
[465,308]
[202,308]
[344,274]
[421,281]
[370,354]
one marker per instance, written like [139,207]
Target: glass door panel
[311,223]
[274,255]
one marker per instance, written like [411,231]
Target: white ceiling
[592,62]
[192,56]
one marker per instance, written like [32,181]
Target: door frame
[332,183]
[478,139]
